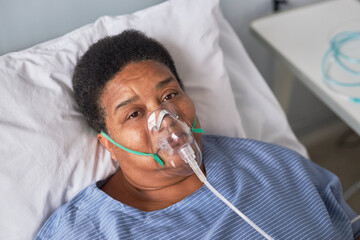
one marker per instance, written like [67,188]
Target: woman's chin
[184,170]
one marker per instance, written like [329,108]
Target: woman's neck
[120,189]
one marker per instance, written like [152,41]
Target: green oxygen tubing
[154,155]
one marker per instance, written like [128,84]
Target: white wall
[23,19]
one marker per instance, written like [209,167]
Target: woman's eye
[134,114]
[169,96]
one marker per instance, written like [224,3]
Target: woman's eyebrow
[126,102]
[164,82]
[159,85]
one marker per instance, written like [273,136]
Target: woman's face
[128,98]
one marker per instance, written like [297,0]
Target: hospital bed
[48,153]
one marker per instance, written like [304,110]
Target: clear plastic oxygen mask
[171,139]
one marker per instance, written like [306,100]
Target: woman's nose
[154,105]
[167,122]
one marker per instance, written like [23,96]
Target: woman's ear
[107,144]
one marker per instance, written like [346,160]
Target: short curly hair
[103,60]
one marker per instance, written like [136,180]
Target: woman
[119,83]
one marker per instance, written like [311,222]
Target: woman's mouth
[176,140]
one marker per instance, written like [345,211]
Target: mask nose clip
[155,124]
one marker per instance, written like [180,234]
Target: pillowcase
[48,151]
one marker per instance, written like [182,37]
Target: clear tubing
[336,43]
[335,49]
[355,219]
[187,154]
[243,216]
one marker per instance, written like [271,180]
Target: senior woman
[117,83]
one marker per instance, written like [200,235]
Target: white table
[300,38]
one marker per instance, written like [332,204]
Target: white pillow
[49,153]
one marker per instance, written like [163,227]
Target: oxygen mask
[171,139]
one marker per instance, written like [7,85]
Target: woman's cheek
[188,109]
[138,140]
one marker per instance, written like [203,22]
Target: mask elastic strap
[155,157]
[196,130]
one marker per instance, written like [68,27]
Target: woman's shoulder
[244,146]
[59,216]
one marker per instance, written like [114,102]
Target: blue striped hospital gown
[289,197]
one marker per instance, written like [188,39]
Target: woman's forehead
[144,68]
[136,79]
[139,74]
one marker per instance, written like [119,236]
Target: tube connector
[188,155]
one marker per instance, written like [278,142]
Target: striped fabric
[286,195]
